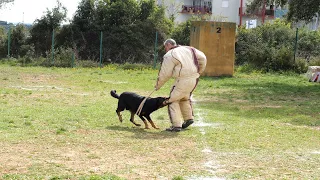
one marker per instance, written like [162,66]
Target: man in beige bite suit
[185,64]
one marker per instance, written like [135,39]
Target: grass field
[60,123]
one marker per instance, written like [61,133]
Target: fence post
[52,47]
[72,63]
[155,51]
[295,45]
[101,36]
[9,41]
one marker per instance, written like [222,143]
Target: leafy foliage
[298,10]
[2,2]
[182,33]
[41,31]
[18,41]
[303,10]
[271,47]
[257,4]
[3,40]
[128,28]
[309,43]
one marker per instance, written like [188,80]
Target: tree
[172,8]
[2,2]
[41,31]
[182,33]
[298,10]
[129,28]
[3,40]
[18,39]
[303,10]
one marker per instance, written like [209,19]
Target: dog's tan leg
[119,115]
[153,125]
[151,122]
[132,119]
[146,126]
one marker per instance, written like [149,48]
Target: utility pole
[241,12]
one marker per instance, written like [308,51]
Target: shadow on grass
[140,133]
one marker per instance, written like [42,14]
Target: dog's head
[161,101]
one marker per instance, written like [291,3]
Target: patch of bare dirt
[36,79]
[150,156]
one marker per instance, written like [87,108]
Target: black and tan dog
[131,101]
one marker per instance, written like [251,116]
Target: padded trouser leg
[186,109]
[174,114]
[180,101]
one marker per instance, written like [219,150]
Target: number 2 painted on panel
[218,29]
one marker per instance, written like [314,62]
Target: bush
[86,63]
[181,34]
[300,65]
[308,44]
[314,61]
[283,59]
[271,48]
[246,68]
[62,58]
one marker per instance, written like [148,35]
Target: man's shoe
[174,129]
[187,123]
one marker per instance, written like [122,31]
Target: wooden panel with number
[217,41]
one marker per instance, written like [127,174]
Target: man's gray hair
[170,41]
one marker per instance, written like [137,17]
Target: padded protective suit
[185,64]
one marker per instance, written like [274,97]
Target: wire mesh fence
[67,48]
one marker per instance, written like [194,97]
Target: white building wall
[225,10]
[222,10]
[182,17]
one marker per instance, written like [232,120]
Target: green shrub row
[275,47]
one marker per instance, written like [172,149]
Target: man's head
[169,43]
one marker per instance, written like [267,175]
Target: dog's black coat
[131,101]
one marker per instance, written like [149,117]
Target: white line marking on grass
[204,178]
[315,152]
[211,165]
[38,88]
[115,82]
[206,150]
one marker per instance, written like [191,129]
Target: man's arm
[202,60]
[165,72]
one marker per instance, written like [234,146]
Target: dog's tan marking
[120,116]
[132,119]
[153,125]
[146,126]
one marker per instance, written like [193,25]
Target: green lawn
[58,123]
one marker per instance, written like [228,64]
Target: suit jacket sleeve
[166,71]
[202,60]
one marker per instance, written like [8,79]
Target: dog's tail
[114,94]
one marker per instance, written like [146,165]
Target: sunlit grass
[61,124]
